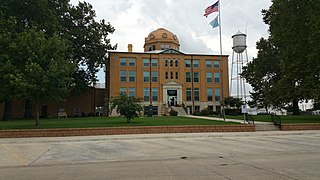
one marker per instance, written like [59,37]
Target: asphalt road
[256,155]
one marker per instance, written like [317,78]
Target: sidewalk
[227,120]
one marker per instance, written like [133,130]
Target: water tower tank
[239,42]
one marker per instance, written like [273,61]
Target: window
[154,94]
[209,76]
[216,77]
[176,63]
[166,63]
[154,110]
[146,76]
[177,75]
[123,62]
[146,62]
[132,62]
[152,48]
[216,64]
[197,108]
[209,94]
[217,94]
[196,94]
[188,63]
[196,77]
[208,64]
[123,76]
[167,76]
[167,46]
[132,92]
[188,94]
[123,91]
[164,35]
[154,62]
[132,76]
[154,76]
[171,63]
[195,63]
[162,46]
[171,75]
[218,109]
[146,94]
[188,77]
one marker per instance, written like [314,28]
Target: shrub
[173,113]
[233,112]
[205,112]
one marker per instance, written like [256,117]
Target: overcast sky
[135,19]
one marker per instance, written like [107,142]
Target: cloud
[135,19]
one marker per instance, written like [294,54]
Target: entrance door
[172,97]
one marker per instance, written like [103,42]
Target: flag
[210,9]
[215,23]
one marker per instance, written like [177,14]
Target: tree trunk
[37,114]
[7,110]
[295,107]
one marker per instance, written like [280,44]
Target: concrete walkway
[246,155]
[227,120]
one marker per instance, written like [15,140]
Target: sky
[133,20]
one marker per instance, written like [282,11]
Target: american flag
[210,9]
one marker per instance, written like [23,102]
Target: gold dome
[159,38]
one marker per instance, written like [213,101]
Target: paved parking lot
[257,155]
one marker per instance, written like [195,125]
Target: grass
[284,119]
[106,122]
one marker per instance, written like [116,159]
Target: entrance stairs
[180,110]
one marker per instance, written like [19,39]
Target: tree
[46,74]
[288,61]
[84,37]
[261,74]
[128,106]
[233,102]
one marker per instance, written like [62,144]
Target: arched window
[176,63]
[171,63]
[166,63]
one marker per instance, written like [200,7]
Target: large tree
[288,64]
[85,38]
[46,74]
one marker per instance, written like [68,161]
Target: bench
[62,114]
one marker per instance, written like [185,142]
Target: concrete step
[267,127]
[180,110]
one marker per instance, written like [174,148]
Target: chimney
[129,47]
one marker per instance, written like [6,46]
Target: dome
[161,36]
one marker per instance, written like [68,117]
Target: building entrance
[172,97]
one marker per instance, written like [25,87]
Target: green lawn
[284,119]
[106,122]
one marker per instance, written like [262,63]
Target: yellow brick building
[165,77]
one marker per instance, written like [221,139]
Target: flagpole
[221,65]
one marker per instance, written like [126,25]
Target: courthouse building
[163,76]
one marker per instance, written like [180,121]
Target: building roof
[168,51]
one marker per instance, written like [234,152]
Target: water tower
[237,85]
